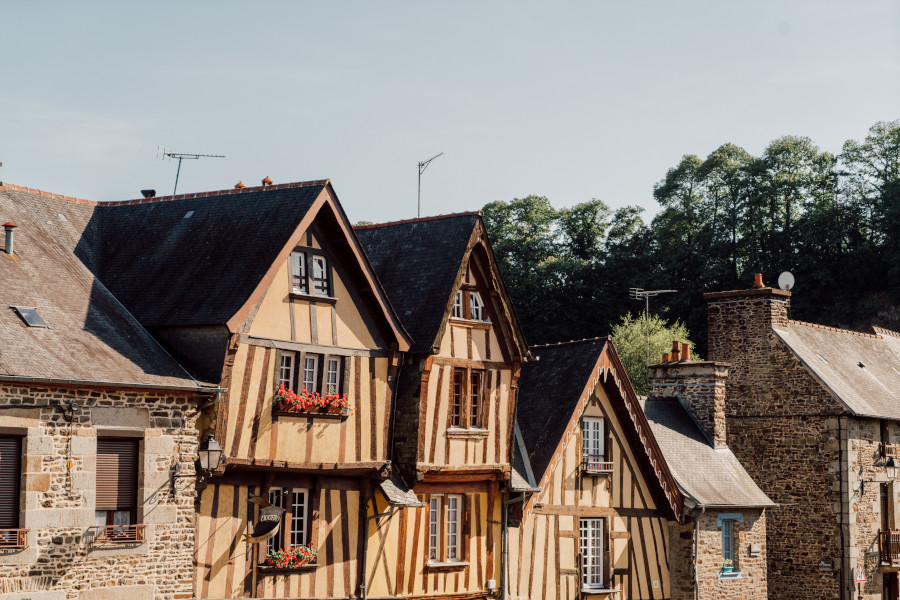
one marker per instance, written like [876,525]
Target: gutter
[112,384]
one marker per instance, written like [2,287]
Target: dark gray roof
[90,336]
[417,262]
[712,476]
[549,389]
[194,259]
[833,355]
[398,493]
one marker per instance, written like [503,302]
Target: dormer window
[309,271]
[468,305]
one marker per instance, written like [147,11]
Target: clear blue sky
[574,101]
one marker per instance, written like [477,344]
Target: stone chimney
[700,386]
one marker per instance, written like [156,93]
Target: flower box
[294,557]
[306,403]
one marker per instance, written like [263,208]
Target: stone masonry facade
[58,491]
[701,387]
[803,449]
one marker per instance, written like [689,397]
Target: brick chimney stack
[699,385]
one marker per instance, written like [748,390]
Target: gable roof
[555,388]
[84,319]
[711,476]
[834,356]
[418,261]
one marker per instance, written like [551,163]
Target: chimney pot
[267,181]
[240,185]
[685,351]
[148,193]
[8,247]
[676,355]
[757,281]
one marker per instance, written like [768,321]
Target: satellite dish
[786,281]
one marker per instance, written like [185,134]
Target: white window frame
[434,528]
[476,308]
[311,385]
[592,553]
[299,281]
[299,517]
[593,433]
[458,305]
[276,498]
[454,528]
[286,369]
[333,386]
[319,273]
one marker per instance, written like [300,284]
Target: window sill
[732,575]
[472,432]
[341,416]
[312,298]
[266,570]
[470,323]
[590,591]
[444,567]
[597,473]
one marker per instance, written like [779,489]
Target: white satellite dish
[786,281]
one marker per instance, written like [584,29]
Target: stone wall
[701,388]
[58,495]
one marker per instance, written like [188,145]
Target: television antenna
[164,153]
[422,166]
[645,295]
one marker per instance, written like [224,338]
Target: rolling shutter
[116,474]
[10,475]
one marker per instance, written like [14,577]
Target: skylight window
[30,315]
[188,214]
[822,358]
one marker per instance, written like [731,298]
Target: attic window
[822,358]
[30,315]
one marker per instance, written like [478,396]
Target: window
[294,523]
[445,543]
[731,541]
[456,402]
[298,273]
[116,499]
[592,553]
[310,368]
[30,315]
[476,397]
[10,476]
[309,271]
[469,305]
[286,370]
[333,377]
[594,439]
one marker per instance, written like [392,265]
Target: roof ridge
[876,330]
[838,329]
[20,188]
[279,186]
[570,342]
[470,213]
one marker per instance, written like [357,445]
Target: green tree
[630,338]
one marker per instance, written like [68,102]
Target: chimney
[757,281]
[685,351]
[676,353]
[148,193]
[8,247]
[240,185]
[700,387]
[267,181]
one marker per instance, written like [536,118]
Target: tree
[630,339]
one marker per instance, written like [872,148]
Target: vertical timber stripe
[401,550]
[242,405]
[476,500]
[345,540]
[313,323]
[357,367]
[435,420]
[557,540]
[417,515]
[486,410]
[489,518]
[545,577]
[329,544]
[260,400]
[210,539]
[334,335]
[469,343]
[497,430]
[373,405]
[235,534]
[487,344]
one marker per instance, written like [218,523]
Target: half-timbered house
[598,527]
[266,292]
[455,409]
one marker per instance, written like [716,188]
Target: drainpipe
[504,545]
[842,473]
[696,549]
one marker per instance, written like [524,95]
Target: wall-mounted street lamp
[890,468]
[210,455]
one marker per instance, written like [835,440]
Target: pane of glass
[333,369]
[100,518]
[298,518]
[320,275]
[122,517]
[276,498]
[286,372]
[458,306]
[30,315]
[298,272]
[309,374]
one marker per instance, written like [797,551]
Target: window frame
[292,369]
[285,536]
[314,284]
[460,415]
[598,437]
[131,511]
[315,373]
[299,273]
[338,371]
[591,529]
[446,529]
[464,309]
[731,541]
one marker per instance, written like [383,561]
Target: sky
[573,101]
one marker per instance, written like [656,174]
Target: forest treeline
[832,220]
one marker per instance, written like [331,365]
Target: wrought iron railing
[119,534]
[889,548]
[14,538]
[595,465]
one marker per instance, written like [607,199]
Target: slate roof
[521,477]
[195,259]
[398,493]
[711,476]
[549,389]
[417,262]
[90,336]
[834,357]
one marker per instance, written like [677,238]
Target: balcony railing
[119,534]
[13,538]
[596,465]
[889,548]
[890,450]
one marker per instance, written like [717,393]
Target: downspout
[504,544]
[841,581]
[696,550]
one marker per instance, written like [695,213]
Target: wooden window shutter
[116,474]
[466,515]
[10,476]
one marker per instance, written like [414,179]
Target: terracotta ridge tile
[19,188]
[876,330]
[569,342]
[470,213]
[837,329]
[279,186]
